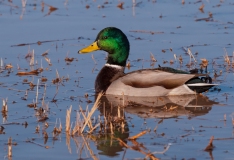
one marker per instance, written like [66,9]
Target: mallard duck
[162,81]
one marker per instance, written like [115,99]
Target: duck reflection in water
[114,108]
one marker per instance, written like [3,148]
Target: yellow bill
[90,48]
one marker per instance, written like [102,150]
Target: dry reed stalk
[2,130]
[226,57]
[45,135]
[8,66]
[95,62]
[29,141]
[105,124]
[32,59]
[138,135]
[57,74]
[123,98]
[180,59]
[51,8]
[45,53]
[98,124]
[162,152]
[89,149]
[37,130]
[60,126]
[67,59]
[44,105]
[204,63]
[191,55]
[128,65]
[95,106]
[111,128]
[89,122]
[119,116]
[201,8]
[46,124]
[1,64]
[68,116]
[68,142]
[34,72]
[120,5]
[4,106]
[152,57]
[122,143]
[173,54]
[66,2]
[155,128]
[78,124]
[137,148]
[210,145]
[77,143]
[24,3]
[122,126]
[9,147]
[37,90]
[48,60]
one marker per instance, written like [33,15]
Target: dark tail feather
[200,85]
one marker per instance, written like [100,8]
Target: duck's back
[157,82]
[150,82]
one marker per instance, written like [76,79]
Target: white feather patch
[114,66]
[201,84]
[181,90]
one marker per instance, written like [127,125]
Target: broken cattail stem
[37,90]
[85,119]
[95,106]
[122,143]
[138,135]
[4,106]
[152,57]
[210,146]
[57,74]
[201,8]
[165,149]
[48,60]
[191,55]
[68,119]
[155,128]
[1,64]
[32,59]
[33,72]
[10,147]
[60,126]
[226,57]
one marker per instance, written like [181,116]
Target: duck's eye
[105,37]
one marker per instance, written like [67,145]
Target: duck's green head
[113,41]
